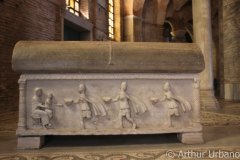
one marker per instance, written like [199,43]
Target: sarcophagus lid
[104,57]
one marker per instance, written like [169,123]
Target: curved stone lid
[90,56]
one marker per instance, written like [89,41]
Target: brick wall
[24,20]
[101,20]
[98,16]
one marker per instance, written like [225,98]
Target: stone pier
[203,37]
[231,49]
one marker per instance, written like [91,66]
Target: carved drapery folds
[124,100]
[93,106]
[90,106]
[41,110]
[42,113]
[172,102]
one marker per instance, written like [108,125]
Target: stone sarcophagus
[107,88]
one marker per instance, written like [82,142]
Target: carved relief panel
[173,103]
[108,104]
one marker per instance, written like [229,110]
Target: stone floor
[221,133]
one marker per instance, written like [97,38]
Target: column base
[191,138]
[208,100]
[30,142]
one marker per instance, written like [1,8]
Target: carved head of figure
[81,88]
[38,92]
[166,87]
[50,96]
[124,86]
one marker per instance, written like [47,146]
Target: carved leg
[120,119]
[168,123]
[83,123]
[30,142]
[191,137]
[171,121]
[128,117]
[134,125]
[95,120]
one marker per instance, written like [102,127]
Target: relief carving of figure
[123,99]
[90,106]
[42,110]
[172,102]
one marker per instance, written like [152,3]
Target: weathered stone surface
[72,57]
[191,138]
[55,99]
[30,142]
[108,104]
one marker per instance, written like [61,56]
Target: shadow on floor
[109,140]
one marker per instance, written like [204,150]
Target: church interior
[213,25]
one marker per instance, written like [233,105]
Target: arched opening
[188,37]
[168,32]
[189,29]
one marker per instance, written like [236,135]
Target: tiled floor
[221,131]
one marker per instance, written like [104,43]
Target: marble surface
[115,104]
[106,57]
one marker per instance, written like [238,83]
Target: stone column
[203,37]
[231,49]
[22,103]
[132,28]
[118,20]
